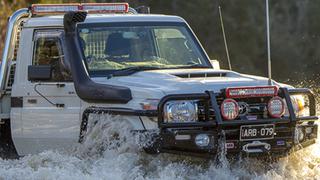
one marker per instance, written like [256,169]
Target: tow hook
[256,147]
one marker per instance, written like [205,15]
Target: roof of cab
[57,20]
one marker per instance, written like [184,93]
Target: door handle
[32,101]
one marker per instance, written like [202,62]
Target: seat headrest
[117,45]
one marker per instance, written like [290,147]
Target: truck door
[50,112]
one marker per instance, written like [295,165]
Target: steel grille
[256,107]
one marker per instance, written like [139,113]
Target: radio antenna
[224,38]
[268,42]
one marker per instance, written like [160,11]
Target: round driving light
[299,135]
[308,130]
[202,140]
[276,107]
[229,109]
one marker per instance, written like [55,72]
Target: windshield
[112,48]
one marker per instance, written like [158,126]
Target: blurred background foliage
[295,35]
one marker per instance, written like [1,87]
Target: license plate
[256,132]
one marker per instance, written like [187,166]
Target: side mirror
[39,72]
[215,64]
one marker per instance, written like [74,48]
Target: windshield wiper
[131,70]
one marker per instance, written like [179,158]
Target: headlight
[298,104]
[180,111]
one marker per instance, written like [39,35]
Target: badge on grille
[243,108]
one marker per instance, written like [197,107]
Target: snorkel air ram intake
[87,89]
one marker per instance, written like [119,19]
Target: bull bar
[223,132]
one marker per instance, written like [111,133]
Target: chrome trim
[9,46]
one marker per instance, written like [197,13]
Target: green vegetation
[295,32]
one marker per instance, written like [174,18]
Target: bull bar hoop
[212,97]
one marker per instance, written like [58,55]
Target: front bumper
[225,135]
[227,141]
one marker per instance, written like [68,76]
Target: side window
[48,51]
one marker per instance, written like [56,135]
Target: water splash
[101,157]
[106,133]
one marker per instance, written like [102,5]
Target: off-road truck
[63,62]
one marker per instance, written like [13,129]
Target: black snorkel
[87,89]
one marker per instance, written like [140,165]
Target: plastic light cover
[244,92]
[106,7]
[276,107]
[299,135]
[229,109]
[299,105]
[308,130]
[181,111]
[53,8]
[89,7]
[202,140]
[150,104]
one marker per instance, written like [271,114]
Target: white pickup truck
[63,62]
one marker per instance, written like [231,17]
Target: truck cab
[60,66]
